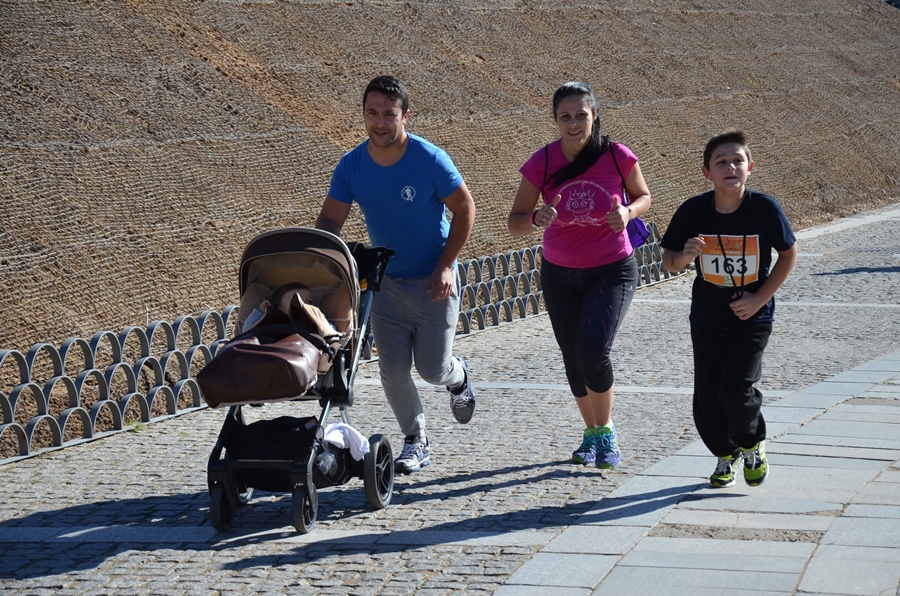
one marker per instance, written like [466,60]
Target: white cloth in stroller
[345,436]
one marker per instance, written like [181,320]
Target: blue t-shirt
[737,255]
[402,203]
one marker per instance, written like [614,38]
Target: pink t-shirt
[580,238]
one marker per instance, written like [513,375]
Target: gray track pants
[409,328]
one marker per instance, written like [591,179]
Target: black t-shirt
[737,255]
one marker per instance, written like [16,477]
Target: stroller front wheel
[305,507]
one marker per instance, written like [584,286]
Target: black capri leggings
[586,307]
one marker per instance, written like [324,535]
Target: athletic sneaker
[587,452]
[416,454]
[462,401]
[756,467]
[723,477]
[607,441]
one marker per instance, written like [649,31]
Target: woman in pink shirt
[588,271]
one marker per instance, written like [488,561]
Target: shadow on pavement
[852,270]
[267,513]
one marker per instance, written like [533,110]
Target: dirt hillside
[142,144]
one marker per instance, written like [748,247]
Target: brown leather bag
[265,364]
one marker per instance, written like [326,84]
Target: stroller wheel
[305,507]
[378,472]
[220,512]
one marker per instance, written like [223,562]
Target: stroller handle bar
[371,262]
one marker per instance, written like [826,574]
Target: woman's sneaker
[416,453]
[607,443]
[756,467]
[462,400]
[723,477]
[587,452]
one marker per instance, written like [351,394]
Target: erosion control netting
[142,145]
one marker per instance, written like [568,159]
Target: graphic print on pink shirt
[584,203]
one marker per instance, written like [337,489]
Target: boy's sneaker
[723,477]
[586,454]
[462,401]
[607,441]
[416,453]
[756,467]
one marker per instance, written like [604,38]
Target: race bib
[731,264]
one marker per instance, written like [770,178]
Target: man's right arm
[332,216]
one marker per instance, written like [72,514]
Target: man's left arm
[462,206]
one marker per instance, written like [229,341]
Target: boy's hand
[693,247]
[618,217]
[746,305]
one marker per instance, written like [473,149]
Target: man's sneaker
[415,455]
[462,401]
[587,452]
[607,441]
[756,467]
[723,477]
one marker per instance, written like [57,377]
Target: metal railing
[507,286]
[90,388]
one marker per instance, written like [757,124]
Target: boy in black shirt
[730,232]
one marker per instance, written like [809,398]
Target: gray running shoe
[416,453]
[462,404]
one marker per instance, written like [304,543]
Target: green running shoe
[723,477]
[756,467]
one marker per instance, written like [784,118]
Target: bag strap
[546,167]
[268,333]
[612,153]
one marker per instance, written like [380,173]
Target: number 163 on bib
[734,262]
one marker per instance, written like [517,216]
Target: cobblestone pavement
[128,514]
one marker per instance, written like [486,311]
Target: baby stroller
[281,359]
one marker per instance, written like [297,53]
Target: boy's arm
[787,259]
[750,303]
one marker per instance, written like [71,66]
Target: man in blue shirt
[402,184]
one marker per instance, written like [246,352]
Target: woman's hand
[619,217]
[547,214]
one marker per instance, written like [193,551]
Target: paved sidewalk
[501,510]
[826,521]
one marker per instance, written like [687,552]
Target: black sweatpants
[727,363]
[586,307]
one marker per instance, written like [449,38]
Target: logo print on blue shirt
[408,193]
